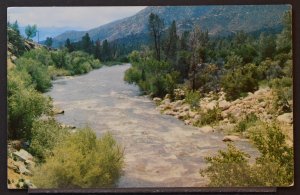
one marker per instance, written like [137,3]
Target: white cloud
[83,18]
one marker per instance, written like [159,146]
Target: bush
[193,98]
[46,134]
[210,117]
[79,62]
[283,94]
[275,166]
[24,105]
[229,169]
[38,72]
[246,122]
[81,161]
[40,55]
[236,83]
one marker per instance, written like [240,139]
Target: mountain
[218,20]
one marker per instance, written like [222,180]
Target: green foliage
[246,122]
[40,78]
[193,98]
[81,161]
[276,163]
[31,31]
[275,166]
[283,92]
[210,117]
[153,77]
[15,40]
[79,62]
[46,134]
[229,169]
[24,105]
[49,41]
[240,80]
[41,55]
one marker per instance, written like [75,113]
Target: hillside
[218,20]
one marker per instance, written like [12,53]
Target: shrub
[239,81]
[246,122]
[193,98]
[275,166]
[81,161]
[229,169]
[40,55]
[46,134]
[283,94]
[24,105]
[38,72]
[210,117]
[132,75]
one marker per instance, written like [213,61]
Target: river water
[160,151]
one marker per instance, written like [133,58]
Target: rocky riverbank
[259,103]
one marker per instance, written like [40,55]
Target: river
[160,151]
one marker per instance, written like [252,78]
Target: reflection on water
[160,151]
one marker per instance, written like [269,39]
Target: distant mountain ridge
[218,20]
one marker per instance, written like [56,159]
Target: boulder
[230,138]
[157,100]
[224,105]
[286,118]
[211,105]
[207,129]
[23,155]
[58,111]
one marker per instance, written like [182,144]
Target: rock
[183,114]
[186,108]
[166,101]
[286,118]
[23,155]
[13,58]
[262,104]
[58,111]
[207,129]
[169,112]
[187,122]
[192,114]
[211,105]
[224,105]
[67,126]
[167,96]
[230,138]
[157,100]
[23,170]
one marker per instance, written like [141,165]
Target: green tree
[171,43]
[156,25]
[31,31]
[69,45]
[86,43]
[49,41]
[105,51]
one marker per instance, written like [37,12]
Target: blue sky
[52,21]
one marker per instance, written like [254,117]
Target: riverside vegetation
[61,157]
[239,84]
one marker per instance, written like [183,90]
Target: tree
[86,43]
[30,31]
[49,41]
[97,52]
[69,45]
[156,26]
[105,50]
[195,57]
[171,42]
